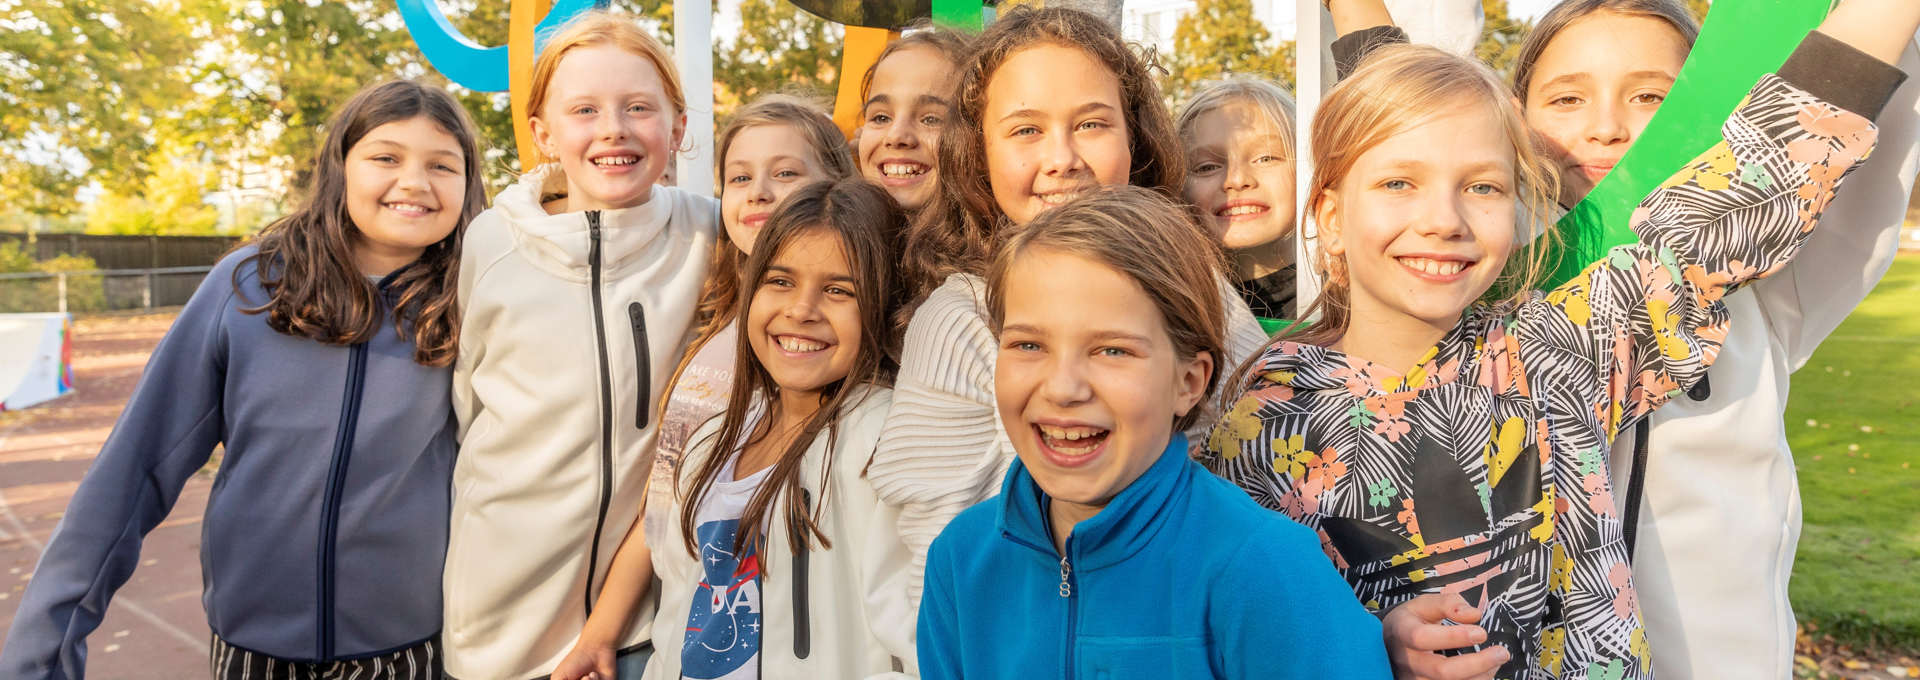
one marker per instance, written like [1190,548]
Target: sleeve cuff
[1843,76]
[1353,48]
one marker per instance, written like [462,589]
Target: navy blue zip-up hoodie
[326,529]
[1180,576]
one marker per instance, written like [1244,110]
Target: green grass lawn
[1857,574]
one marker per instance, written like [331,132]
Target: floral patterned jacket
[1482,471]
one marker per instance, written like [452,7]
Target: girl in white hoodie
[578,290]
[759,567]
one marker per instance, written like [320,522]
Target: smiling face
[1593,90]
[1088,383]
[1241,173]
[406,184]
[1425,220]
[804,323]
[764,164]
[608,121]
[905,110]
[1055,124]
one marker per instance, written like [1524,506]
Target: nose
[1444,217]
[611,126]
[1066,382]
[1607,125]
[413,178]
[759,190]
[899,135]
[1061,156]
[804,309]
[1239,177]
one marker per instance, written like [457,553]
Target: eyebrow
[1035,113]
[789,270]
[403,147]
[1122,335]
[1577,75]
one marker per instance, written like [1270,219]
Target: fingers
[1436,607]
[1479,665]
[1434,637]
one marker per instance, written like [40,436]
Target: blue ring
[482,69]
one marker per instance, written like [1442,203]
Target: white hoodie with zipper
[814,625]
[572,324]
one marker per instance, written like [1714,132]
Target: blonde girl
[1238,133]
[579,289]
[904,107]
[1477,475]
[768,150]
[1048,104]
[759,561]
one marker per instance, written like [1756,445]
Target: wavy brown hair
[867,222]
[305,260]
[949,43]
[721,291]
[956,233]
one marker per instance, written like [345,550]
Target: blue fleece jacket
[1181,576]
[326,529]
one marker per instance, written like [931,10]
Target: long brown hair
[721,291]
[866,221]
[1396,89]
[1566,13]
[305,260]
[956,232]
[1147,238]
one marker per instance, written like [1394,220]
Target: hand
[1415,636]
[587,661]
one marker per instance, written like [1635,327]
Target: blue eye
[1397,185]
[1483,189]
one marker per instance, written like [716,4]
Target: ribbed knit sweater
[944,448]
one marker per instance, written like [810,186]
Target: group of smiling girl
[1004,386]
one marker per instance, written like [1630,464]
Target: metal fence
[99,290]
[115,251]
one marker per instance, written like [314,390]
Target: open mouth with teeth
[1241,211]
[799,345]
[1078,442]
[1057,198]
[903,170]
[408,209]
[616,161]
[1434,267]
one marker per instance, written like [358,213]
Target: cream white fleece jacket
[555,388]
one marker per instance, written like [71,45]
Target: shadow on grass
[1854,424]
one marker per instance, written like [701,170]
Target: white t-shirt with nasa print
[723,625]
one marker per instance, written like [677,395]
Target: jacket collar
[1119,530]
[560,244]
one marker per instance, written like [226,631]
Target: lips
[1434,268]
[1596,171]
[1242,209]
[1058,198]
[614,160]
[755,221]
[799,344]
[1071,446]
[408,209]
[902,169]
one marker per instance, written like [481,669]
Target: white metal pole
[1313,70]
[693,49]
[63,292]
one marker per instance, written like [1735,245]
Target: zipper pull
[593,238]
[1066,589]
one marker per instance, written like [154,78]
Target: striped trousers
[419,662]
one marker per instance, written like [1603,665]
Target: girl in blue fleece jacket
[1109,553]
